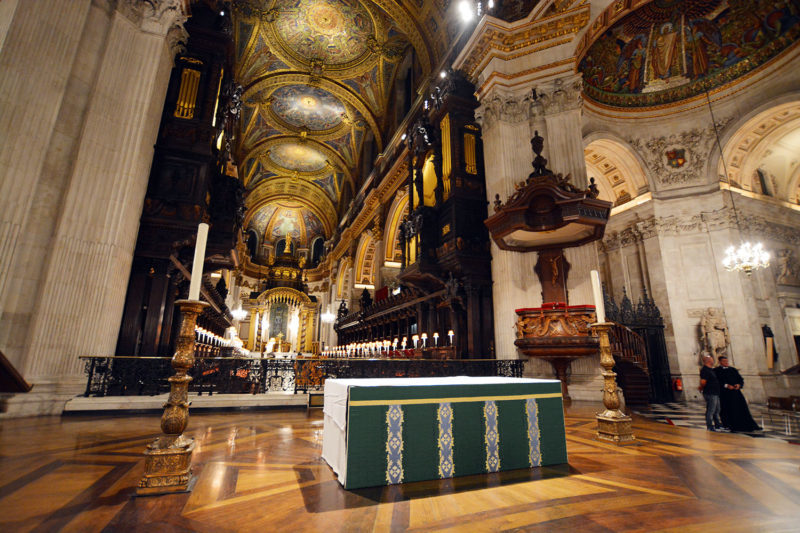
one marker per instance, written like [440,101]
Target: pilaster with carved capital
[160,17]
[560,95]
[497,107]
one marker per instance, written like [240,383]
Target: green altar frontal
[417,429]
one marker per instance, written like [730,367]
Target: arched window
[252,244]
[316,251]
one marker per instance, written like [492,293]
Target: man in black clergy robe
[735,413]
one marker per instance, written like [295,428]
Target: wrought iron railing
[143,376]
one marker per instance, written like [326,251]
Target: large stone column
[116,78]
[507,158]
[560,102]
[42,94]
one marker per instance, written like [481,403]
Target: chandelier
[239,314]
[470,9]
[746,258]
[327,317]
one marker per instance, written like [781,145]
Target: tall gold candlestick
[167,460]
[612,424]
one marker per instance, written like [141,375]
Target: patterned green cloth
[415,433]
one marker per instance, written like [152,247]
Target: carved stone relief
[497,107]
[562,94]
[679,158]
[787,268]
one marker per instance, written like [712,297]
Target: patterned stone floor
[775,424]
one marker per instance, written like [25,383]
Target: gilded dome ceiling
[670,50]
[318,77]
[304,106]
[286,217]
[332,31]
[295,156]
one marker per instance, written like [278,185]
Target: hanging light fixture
[239,314]
[327,317]
[747,256]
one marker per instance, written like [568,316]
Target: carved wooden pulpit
[547,214]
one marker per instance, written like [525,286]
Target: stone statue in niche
[787,269]
[715,332]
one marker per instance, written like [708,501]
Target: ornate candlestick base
[167,460]
[612,424]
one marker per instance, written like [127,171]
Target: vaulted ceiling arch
[287,154]
[259,90]
[317,78]
[308,194]
[762,153]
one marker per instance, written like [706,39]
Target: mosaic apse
[275,221]
[336,31]
[670,50]
[304,106]
[296,156]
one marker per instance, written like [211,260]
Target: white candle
[598,297]
[450,334]
[199,258]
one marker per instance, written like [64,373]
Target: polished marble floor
[775,424]
[261,471]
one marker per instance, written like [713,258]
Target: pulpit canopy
[546,211]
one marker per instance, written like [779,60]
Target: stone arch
[618,170]
[397,211]
[760,151]
[343,279]
[365,261]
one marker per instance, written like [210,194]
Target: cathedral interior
[394,188]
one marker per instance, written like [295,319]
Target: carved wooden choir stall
[446,264]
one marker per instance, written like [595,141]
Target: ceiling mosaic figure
[670,50]
[286,217]
[304,106]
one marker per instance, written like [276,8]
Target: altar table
[398,430]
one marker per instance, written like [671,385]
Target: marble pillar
[504,119]
[559,101]
[78,164]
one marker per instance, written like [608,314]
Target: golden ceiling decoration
[306,193]
[317,77]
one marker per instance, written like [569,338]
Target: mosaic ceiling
[317,77]
[304,106]
[286,217]
[670,50]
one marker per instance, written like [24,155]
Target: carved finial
[497,203]
[539,162]
[537,143]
